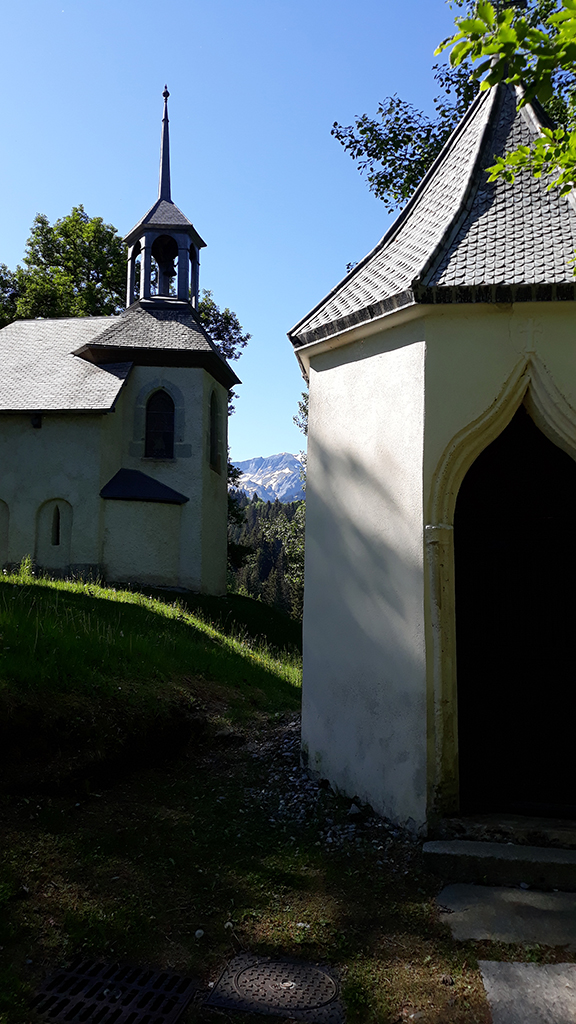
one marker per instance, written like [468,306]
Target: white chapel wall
[142,542]
[473,351]
[199,528]
[364,689]
[214,493]
[61,460]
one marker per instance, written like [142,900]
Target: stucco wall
[141,542]
[70,458]
[202,549]
[58,461]
[391,416]
[364,688]
[215,493]
[472,351]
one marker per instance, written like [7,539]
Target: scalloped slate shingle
[163,212]
[461,238]
[42,369]
[39,373]
[157,329]
[519,233]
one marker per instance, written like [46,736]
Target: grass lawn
[208,841]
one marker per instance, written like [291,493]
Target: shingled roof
[158,331]
[39,373]
[461,238]
[79,364]
[164,215]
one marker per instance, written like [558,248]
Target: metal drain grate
[284,988]
[95,993]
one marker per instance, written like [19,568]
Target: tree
[223,326]
[301,417]
[75,267]
[301,421]
[395,148]
[541,59]
[8,295]
[228,335]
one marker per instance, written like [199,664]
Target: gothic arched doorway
[515,575]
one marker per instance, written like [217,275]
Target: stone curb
[461,860]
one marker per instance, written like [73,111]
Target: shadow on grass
[84,639]
[183,868]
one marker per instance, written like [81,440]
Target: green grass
[91,676]
[59,636]
[133,871]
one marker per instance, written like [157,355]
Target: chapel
[113,430]
[440,602]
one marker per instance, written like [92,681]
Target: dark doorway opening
[515,551]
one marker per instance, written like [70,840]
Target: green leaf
[471,26]
[486,11]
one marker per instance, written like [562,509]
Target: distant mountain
[277,476]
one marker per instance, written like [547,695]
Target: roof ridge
[398,223]
[469,193]
[63,319]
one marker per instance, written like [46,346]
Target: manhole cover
[286,988]
[95,993]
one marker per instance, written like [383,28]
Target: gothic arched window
[159,426]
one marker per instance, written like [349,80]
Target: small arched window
[56,527]
[215,457]
[159,426]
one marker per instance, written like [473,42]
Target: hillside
[94,676]
[272,477]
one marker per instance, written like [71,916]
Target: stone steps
[462,860]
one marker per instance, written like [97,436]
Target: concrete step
[460,860]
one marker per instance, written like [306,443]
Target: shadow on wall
[364,660]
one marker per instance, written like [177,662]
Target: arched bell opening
[164,265]
[134,272]
[515,605]
[194,275]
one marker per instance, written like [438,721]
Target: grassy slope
[83,666]
[132,872]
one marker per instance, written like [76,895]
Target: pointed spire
[164,186]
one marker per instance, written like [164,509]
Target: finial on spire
[164,191]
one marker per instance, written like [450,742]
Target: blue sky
[255,87]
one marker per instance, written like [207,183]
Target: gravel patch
[298,804]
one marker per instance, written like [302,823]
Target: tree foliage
[74,267]
[223,326]
[301,417]
[267,553]
[8,295]
[395,148]
[539,55]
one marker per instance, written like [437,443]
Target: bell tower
[164,243]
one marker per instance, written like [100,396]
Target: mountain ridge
[272,477]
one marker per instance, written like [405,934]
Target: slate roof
[159,331]
[164,214]
[461,239]
[132,485]
[39,373]
[79,364]
[162,325]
